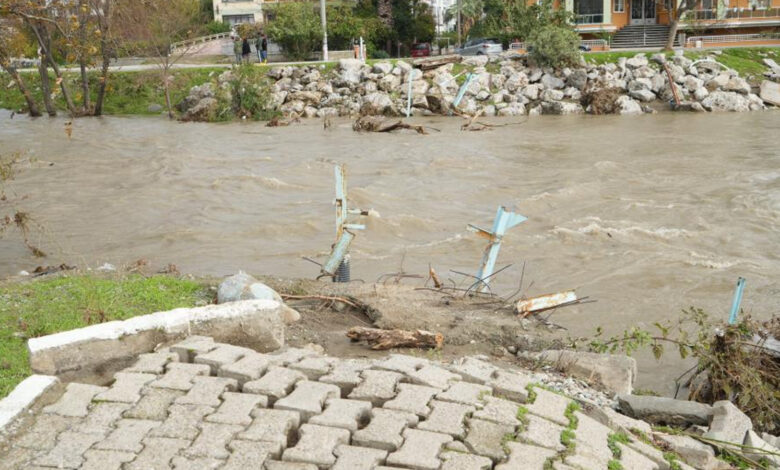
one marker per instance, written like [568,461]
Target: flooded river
[646,214]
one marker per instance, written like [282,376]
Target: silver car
[481,46]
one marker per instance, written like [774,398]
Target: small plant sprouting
[612,442]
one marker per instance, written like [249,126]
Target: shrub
[246,96]
[379,54]
[296,28]
[554,46]
[216,27]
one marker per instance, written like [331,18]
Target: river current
[647,215]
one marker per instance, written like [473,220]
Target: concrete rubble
[186,406]
[506,85]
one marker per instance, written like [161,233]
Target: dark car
[422,49]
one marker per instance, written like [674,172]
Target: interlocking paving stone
[345,414]
[75,401]
[541,432]
[196,463]
[153,363]
[272,426]
[499,410]
[43,434]
[401,363]
[279,465]
[486,438]
[246,455]
[193,345]
[525,457]
[275,384]
[316,445]
[550,406]
[412,398]
[222,355]
[460,461]
[474,370]
[106,459]
[378,386]
[358,458]
[19,458]
[634,460]
[290,356]
[69,450]
[102,418]
[248,368]
[237,408]
[420,450]
[157,453]
[650,452]
[207,390]
[581,461]
[466,393]
[128,435]
[510,385]
[126,387]
[385,429]
[179,375]
[592,438]
[314,367]
[346,374]
[433,376]
[212,440]
[447,418]
[308,398]
[154,404]
[182,421]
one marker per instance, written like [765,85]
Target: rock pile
[505,86]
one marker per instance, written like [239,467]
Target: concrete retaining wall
[100,349]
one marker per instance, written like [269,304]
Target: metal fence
[596,18]
[730,38]
[735,13]
[592,43]
[199,40]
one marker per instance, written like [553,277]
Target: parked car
[481,46]
[422,49]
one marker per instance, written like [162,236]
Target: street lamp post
[459,24]
[324,31]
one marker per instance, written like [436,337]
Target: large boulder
[740,85]
[770,92]
[561,108]
[577,79]
[476,61]
[758,449]
[663,410]
[625,105]
[350,71]
[726,101]
[377,103]
[615,373]
[204,111]
[644,95]
[692,451]
[639,60]
[383,68]
[242,286]
[553,82]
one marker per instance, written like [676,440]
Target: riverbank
[141,93]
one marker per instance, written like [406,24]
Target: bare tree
[9,42]
[676,14]
[153,26]
[102,11]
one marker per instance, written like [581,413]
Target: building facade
[236,12]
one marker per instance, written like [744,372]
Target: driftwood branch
[388,339]
[327,298]
[380,124]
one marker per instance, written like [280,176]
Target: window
[620,6]
[759,4]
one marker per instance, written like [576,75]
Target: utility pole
[459,45]
[324,31]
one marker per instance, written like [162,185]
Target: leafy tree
[412,21]
[12,43]
[556,46]
[296,28]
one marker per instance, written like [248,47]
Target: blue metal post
[343,235]
[409,96]
[503,222]
[737,300]
[469,78]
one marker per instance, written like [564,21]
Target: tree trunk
[43,69]
[105,52]
[388,339]
[85,86]
[83,55]
[672,34]
[44,41]
[32,106]
[166,86]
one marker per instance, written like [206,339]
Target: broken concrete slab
[728,423]
[663,410]
[614,372]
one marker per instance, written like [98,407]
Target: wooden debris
[380,124]
[435,278]
[276,121]
[540,303]
[435,62]
[388,339]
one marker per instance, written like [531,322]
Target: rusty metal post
[503,222]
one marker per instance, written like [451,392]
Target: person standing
[237,49]
[259,48]
[246,49]
[264,48]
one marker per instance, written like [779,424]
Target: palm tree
[470,12]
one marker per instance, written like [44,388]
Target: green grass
[45,306]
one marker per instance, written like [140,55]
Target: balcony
[735,14]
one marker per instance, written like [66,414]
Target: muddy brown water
[647,215]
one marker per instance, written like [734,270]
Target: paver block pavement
[550,406]
[345,414]
[466,393]
[510,385]
[206,391]
[154,404]
[447,418]
[287,356]
[474,370]
[413,399]
[541,432]
[592,438]
[272,425]
[378,386]
[385,429]
[634,460]
[314,367]
[346,374]
[246,455]
[316,445]
[308,398]
[486,438]
[193,345]
[525,457]
[460,461]
[401,363]
[128,435]
[279,465]
[196,463]
[499,411]
[236,408]
[69,450]
[102,418]
[212,441]
[358,458]
[153,363]
[420,450]
[75,401]
[182,422]
[433,376]
[248,368]
[106,459]
[275,384]
[126,387]
[179,375]
[157,453]
[222,355]
[43,433]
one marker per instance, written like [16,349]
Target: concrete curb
[23,396]
[98,348]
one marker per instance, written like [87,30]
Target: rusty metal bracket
[503,222]
[344,234]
